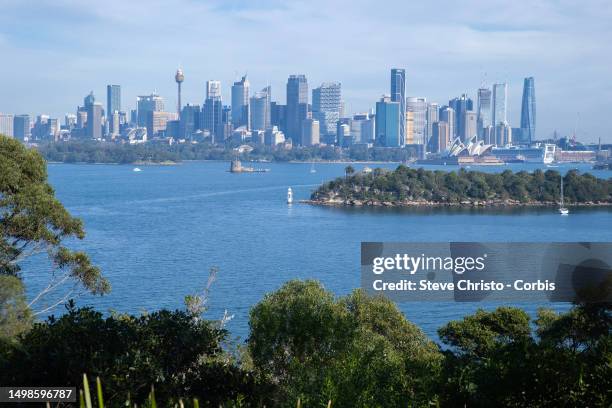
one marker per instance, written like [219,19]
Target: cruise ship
[544,153]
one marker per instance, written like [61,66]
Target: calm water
[156,233]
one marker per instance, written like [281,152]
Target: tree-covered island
[406,187]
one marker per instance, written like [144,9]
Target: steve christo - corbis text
[457,265]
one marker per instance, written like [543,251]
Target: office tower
[503,134]
[440,137]
[447,114]
[528,112]
[310,132]
[432,117]
[114,125]
[343,133]
[273,136]
[134,118]
[460,105]
[483,111]
[297,106]
[146,104]
[418,107]
[40,130]
[157,123]
[94,117]
[113,99]
[81,115]
[261,117]
[327,105]
[278,115]
[22,125]
[70,121]
[189,121]
[362,128]
[212,112]
[54,127]
[6,124]
[179,77]
[240,103]
[388,120]
[500,101]
[470,125]
[398,94]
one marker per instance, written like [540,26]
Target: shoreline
[434,204]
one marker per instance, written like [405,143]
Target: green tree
[33,221]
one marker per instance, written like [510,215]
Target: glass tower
[398,94]
[528,111]
[500,101]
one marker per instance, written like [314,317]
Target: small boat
[289,196]
[312,169]
[562,209]
[136,169]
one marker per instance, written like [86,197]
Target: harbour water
[156,233]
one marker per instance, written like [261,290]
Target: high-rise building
[362,128]
[113,99]
[94,117]
[528,112]
[261,117]
[432,117]
[388,120]
[212,112]
[398,94]
[440,137]
[189,121]
[460,105]
[157,122]
[279,115]
[297,106]
[6,124]
[240,103]
[22,127]
[500,102]
[70,121]
[418,107]
[146,104]
[273,136]
[310,132]
[447,114]
[327,105]
[410,128]
[470,125]
[503,134]
[483,111]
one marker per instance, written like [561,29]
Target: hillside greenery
[406,184]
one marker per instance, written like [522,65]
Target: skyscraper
[447,114]
[418,107]
[240,103]
[483,111]
[189,120]
[94,117]
[388,120]
[22,125]
[470,125]
[297,106]
[398,94]
[500,102]
[432,117]
[212,111]
[310,132]
[461,105]
[261,118]
[113,99]
[6,124]
[326,106]
[146,104]
[528,111]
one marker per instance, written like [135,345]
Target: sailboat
[289,196]
[562,209]
[312,169]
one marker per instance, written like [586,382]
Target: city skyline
[137,46]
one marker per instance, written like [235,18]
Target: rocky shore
[339,202]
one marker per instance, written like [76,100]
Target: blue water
[156,233]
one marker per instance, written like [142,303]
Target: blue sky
[55,52]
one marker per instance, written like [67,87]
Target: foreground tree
[357,351]
[33,221]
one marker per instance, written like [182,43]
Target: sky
[54,52]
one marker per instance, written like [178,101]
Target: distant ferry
[289,196]
[519,154]
[136,169]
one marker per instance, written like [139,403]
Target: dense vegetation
[408,186]
[101,152]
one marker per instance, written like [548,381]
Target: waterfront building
[327,106]
[22,127]
[500,102]
[212,112]
[310,132]
[146,104]
[240,103]
[398,94]
[261,117]
[418,107]
[6,124]
[483,111]
[447,114]
[528,112]
[461,105]
[297,106]
[388,120]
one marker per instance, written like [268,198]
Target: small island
[408,187]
